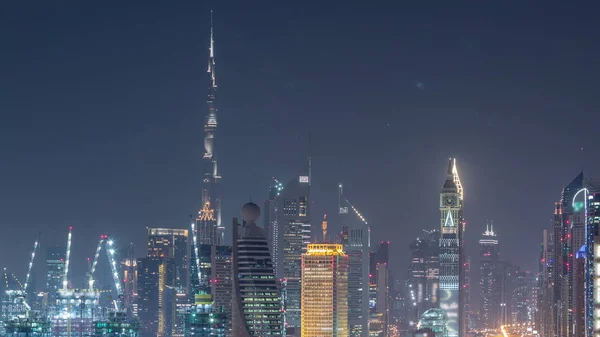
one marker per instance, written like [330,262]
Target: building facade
[291,234]
[156,296]
[256,298]
[55,270]
[489,268]
[451,252]
[423,281]
[324,291]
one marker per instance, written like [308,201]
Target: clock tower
[451,252]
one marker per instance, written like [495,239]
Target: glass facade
[324,291]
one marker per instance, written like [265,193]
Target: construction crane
[28,277]
[95,262]
[115,271]
[65,282]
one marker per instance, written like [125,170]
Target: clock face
[449,201]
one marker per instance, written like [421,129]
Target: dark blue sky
[102,108]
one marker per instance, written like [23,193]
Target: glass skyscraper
[256,298]
[324,291]
[451,252]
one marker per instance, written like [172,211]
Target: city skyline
[125,174]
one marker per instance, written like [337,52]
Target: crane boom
[65,282]
[95,262]
[115,270]
[28,277]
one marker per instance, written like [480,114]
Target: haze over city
[104,107]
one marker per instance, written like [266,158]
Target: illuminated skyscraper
[156,295]
[55,269]
[423,282]
[211,231]
[356,239]
[324,291]
[489,281]
[545,300]
[569,237]
[271,223]
[172,243]
[451,252]
[592,275]
[293,233]
[256,300]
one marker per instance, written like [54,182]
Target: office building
[423,282]
[173,244]
[270,223]
[489,309]
[383,293]
[592,277]
[544,322]
[156,295]
[355,237]
[55,270]
[324,291]
[451,252]
[435,321]
[203,320]
[293,233]
[256,299]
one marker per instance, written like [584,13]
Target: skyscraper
[567,224]
[172,243]
[156,296]
[489,279]
[211,231]
[545,300]
[451,251]
[324,291]
[222,283]
[423,282]
[256,300]
[357,242]
[293,233]
[383,293]
[271,225]
[592,310]
[55,269]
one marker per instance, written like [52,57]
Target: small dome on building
[250,212]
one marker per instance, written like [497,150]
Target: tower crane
[28,277]
[65,281]
[95,262]
[115,271]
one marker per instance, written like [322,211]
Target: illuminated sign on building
[303,179]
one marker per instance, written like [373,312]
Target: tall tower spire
[211,179]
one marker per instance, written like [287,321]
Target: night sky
[102,107]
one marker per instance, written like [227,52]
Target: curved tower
[211,180]
[451,251]
[256,309]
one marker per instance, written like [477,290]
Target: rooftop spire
[457,179]
[211,54]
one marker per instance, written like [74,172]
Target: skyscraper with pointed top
[451,251]
[490,278]
[212,231]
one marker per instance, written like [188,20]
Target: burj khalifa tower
[210,229]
